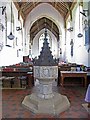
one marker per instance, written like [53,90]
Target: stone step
[62,106]
[30,101]
[45,106]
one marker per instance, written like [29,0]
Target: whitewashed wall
[8,55]
[80,54]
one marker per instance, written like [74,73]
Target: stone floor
[12,103]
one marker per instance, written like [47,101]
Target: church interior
[45,59]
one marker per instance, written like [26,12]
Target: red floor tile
[12,107]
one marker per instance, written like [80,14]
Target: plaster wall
[9,55]
[80,54]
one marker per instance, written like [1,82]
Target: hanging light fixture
[79,34]
[11,36]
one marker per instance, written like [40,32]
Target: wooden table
[72,74]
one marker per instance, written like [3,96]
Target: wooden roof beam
[19,12]
[71,8]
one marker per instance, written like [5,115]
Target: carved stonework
[46,72]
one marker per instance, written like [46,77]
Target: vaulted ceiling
[44,23]
[64,8]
